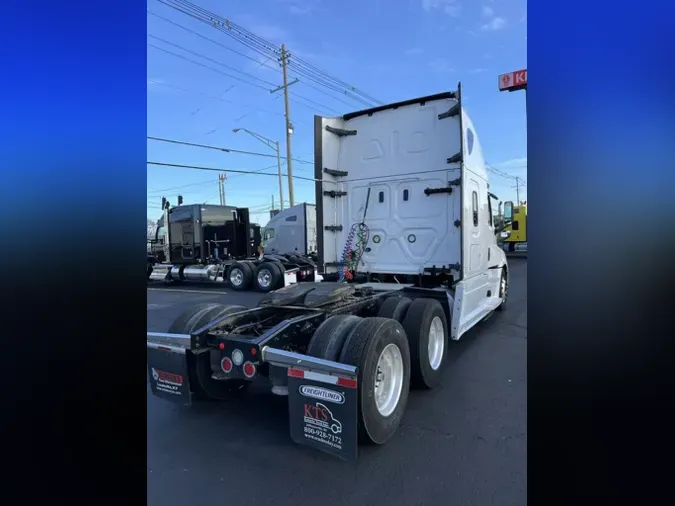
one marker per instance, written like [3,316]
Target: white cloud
[514,164]
[301,7]
[412,51]
[488,11]
[477,70]
[495,24]
[298,11]
[439,65]
[450,7]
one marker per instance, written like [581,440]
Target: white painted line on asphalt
[158,306]
[210,292]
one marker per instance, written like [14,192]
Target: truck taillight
[249,370]
[226,364]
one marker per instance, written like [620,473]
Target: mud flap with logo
[323,412]
[168,373]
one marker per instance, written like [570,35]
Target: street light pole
[281,186]
[273,145]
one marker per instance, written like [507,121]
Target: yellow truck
[515,225]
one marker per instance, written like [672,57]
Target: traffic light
[163,203]
[180,200]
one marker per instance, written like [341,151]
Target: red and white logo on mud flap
[167,377]
[320,416]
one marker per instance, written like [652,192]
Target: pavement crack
[436,432]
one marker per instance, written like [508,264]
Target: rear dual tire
[379,348]
[202,385]
[426,327]
[265,277]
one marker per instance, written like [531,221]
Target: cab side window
[489,211]
[474,200]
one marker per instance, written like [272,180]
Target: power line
[210,59]
[239,78]
[266,48]
[213,169]
[211,40]
[210,181]
[213,97]
[225,150]
[207,67]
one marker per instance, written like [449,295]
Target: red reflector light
[249,370]
[296,373]
[253,351]
[221,346]
[346,382]
[226,364]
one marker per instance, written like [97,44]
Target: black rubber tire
[203,387]
[395,308]
[362,348]
[188,319]
[503,296]
[417,324]
[274,274]
[282,271]
[247,273]
[329,338]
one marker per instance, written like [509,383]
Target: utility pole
[517,191]
[274,145]
[221,188]
[289,164]
[289,125]
[281,186]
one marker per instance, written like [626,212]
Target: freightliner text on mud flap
[323,412]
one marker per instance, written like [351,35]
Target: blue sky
[390,49]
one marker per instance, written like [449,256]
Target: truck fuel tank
[200,273]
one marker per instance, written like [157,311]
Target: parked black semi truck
[211,243]
[402,201]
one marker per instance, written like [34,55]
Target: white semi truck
[291,231]
[405,230]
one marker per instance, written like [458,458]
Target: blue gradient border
[72,160]
[600,179]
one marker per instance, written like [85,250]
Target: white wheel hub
[236,276]
[436,344]
[388,379]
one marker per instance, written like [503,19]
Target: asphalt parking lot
[464,443]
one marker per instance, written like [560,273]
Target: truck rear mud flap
[322,402]
[168,367]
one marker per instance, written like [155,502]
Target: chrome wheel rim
[388,379]
[264,278]
[436,344]
[504,287]
[236,277]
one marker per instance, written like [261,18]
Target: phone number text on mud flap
[324,435]
[167,387]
